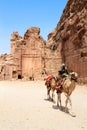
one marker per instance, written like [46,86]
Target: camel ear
[72,73]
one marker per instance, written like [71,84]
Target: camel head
[74,76]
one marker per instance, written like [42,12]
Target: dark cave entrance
[19,76]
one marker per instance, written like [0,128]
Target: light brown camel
[50,85]
[67,87]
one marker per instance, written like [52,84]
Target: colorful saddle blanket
[48,78]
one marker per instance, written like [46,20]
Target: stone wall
[6,66]
[32,56]
[27,52]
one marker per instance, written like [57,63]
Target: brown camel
[50,85]
[68,87]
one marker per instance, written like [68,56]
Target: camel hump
[66,83]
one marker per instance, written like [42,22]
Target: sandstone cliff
[71,33]
[25,60]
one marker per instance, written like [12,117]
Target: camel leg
[48,93]
[70,111]
[59,99]
[70,102]
[53,96]
[66,102]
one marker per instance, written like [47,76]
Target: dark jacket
[63,72]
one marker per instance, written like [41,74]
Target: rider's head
[63,66]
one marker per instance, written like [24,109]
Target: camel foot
[66,110]
[57,105]
[72,114]
[54,101]
[48,97]
[60,107]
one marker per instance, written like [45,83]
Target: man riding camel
[63,72]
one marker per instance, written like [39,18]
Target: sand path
[23,106]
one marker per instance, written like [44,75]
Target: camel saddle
[59,84]
[49,78]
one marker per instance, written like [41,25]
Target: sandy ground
[23,106]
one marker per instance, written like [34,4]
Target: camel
[50,85]
[68,87]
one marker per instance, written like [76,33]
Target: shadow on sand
[49,100]
[62,108]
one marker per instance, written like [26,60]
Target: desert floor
[24,106]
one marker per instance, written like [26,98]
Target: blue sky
[19,15]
